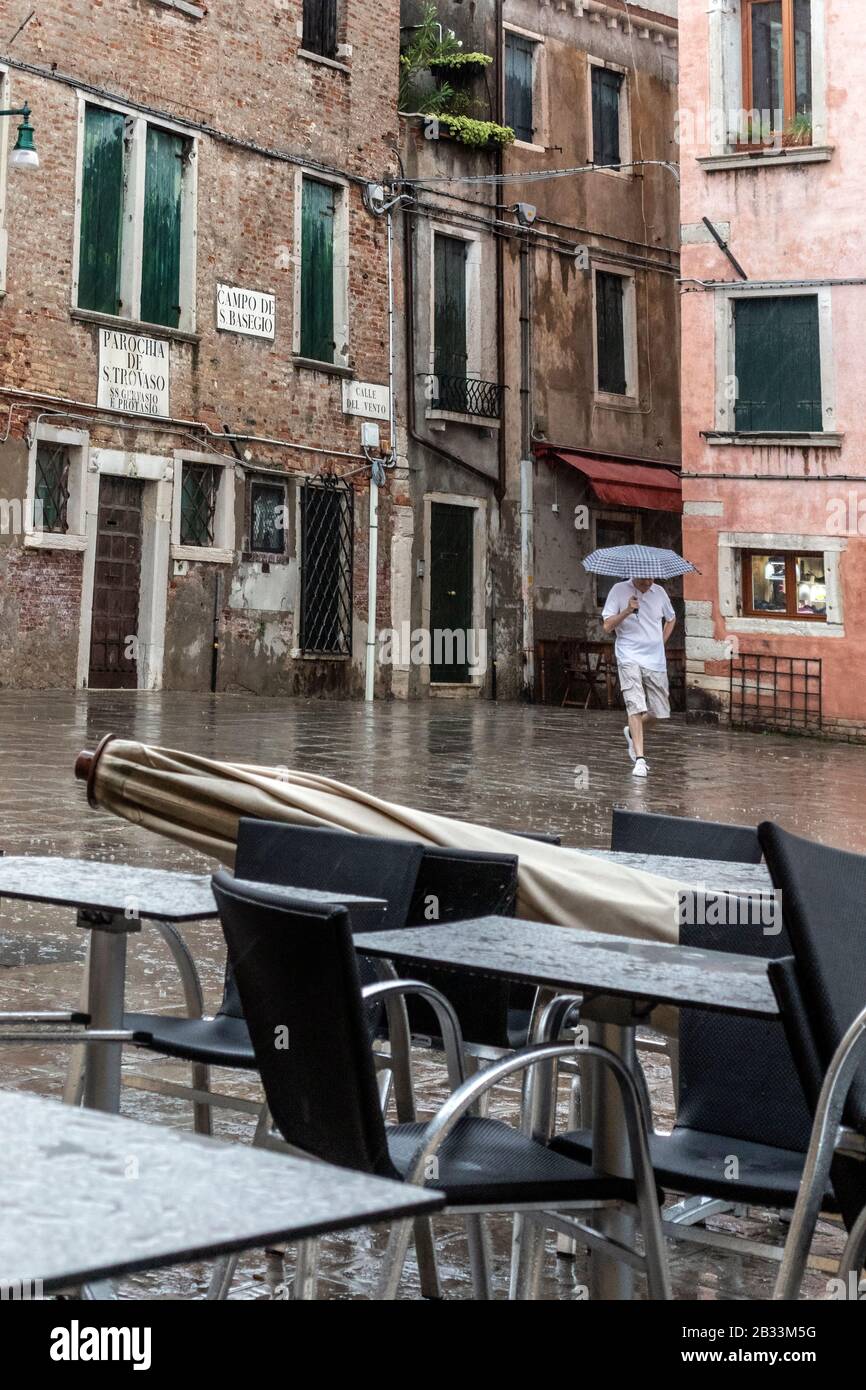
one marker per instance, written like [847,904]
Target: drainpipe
[376,480]
[527,465]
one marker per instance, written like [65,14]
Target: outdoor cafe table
[620,980]
[89,1197]
[112,901]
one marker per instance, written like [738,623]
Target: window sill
[324,62]
[147,330]
[207,554]
[184,7]
[455,417]
[782,438]
[298,655]
[785,627]
[765,159]
[529,145]
[309,364]
[51,540]
[610,401]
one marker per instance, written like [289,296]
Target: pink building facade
[774,350]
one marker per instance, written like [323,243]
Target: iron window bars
[52,486]
[327,536]
[465,395]
[198,503]
[776,692]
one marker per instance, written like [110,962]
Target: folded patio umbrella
[638,562]
[198,801]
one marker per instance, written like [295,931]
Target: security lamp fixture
[526,213]
[24,154]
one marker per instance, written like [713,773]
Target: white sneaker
[630,741]
[640,768]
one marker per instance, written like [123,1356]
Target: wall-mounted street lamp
[24,154]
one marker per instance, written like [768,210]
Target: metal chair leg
[854,1254]
[202,1115]
[306,1280]
[425,1253]
[221,1279]
[527,1263]
[479,1258]
[566,1247]
[393,1261]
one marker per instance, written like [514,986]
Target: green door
[450,592]
[449,323]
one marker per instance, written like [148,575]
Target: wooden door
[450,591]
[116,586]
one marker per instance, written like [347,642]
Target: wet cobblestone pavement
[510,766]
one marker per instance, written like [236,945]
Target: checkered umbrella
[638,562]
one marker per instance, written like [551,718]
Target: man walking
[639,614]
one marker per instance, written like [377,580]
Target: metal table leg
[611,1278]
[106,988]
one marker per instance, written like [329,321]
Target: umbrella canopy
[199,801]
[638,562]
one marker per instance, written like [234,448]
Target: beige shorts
[644,692]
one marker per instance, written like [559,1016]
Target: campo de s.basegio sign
[246,311]
[134,373]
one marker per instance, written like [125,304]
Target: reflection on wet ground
[511,766]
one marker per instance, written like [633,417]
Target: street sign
[133,373]
[366,399]
[251,312]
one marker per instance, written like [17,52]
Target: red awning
[627,484]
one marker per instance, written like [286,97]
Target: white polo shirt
[639,638]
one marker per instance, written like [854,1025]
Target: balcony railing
[462,395]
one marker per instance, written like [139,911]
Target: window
[203,509]
[777,64]
[450,351]
[777,364]
[320,27]
[323,286]
[784,585]
[519,86]
[135,234]
[327,533]
[52,487]
[268,517]
[198,503]
[615,330]
[54,509]
[607,115]
[610,531]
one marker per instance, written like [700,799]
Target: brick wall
[236,71]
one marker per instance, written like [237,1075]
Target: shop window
[783,585]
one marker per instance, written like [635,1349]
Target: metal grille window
[777,350]
[320,27]
[327,528]
[52,487]
[198,503]
[267,518]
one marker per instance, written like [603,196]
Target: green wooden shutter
[318,211]
[606,90]
[610,331]
[449,322]
[778,364]
[160,268]
[518,86]
[320,27]
[101,211]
